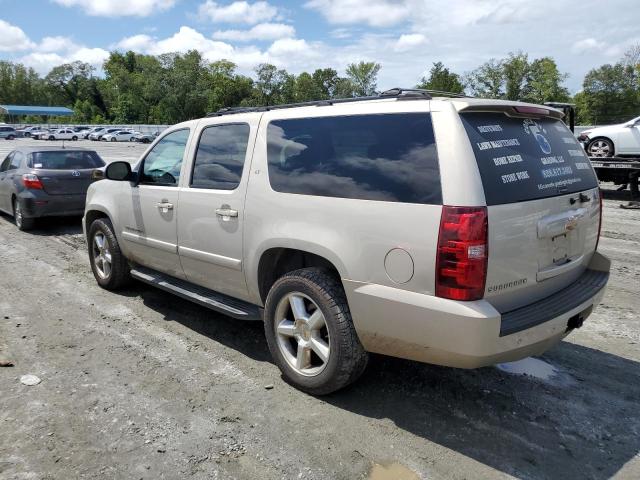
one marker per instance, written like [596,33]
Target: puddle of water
[393,471]
[532,367]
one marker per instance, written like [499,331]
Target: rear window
[526,159]
[60,160]
[389,157]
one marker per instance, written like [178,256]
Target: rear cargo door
[65,172]
[543,204]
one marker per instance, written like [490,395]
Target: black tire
[23,223]
[601,147]
[347,359]
[11,137]
[51,137]
[119,270]
[113,139]
[74,138]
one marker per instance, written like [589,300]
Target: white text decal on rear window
[489,128]
[510,142]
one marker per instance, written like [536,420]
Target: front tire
[110,267]
[23,223]
[74,138]
[310,332]
[600,147]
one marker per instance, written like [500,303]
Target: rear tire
[110,267]
[600,147]
[23,223]
[317,348]
[74,138]
[11,137]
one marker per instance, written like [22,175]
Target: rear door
[211,218]
[5,191]
[65,172]
[543,205]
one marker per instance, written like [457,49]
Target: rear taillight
[461,269]
[31,181]
[599,218]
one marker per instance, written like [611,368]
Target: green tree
[363,77]
[545,82]
[611,94]
[442,79]
[487,81]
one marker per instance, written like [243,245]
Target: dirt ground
[141,384]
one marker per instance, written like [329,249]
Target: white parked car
[60,134]
[119,136]
[621,139]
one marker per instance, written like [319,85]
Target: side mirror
[119,171]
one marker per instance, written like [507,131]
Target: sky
[404,36]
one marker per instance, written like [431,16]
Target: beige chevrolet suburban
[455,231]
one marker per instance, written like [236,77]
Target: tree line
[171,88]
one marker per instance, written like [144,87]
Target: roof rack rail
[399,93]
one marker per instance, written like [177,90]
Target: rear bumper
[40,204]
[429,329]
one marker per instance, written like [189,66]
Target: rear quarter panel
[355,235]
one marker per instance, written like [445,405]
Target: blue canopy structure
[16,110]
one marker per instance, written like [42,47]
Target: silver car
[49,181]
[455,231]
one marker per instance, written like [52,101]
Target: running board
[202,296]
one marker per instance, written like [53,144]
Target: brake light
[531,110]
[599,218]
[32,182]
[461,268]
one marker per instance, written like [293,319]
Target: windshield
[524,159]
[70,160]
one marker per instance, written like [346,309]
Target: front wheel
[600,147]
[11,137]
[110,267]
[74,138]
[23,223]
[310,333]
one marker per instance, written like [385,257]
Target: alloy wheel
[101,255]
[600,148]
[302,334]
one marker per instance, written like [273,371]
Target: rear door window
[69,160]
[390,157]
[523,159]
[220,157]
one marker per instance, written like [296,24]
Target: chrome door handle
[164,205]
[226,211]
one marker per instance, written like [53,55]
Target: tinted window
[526,159]
[163,163]
[5,163]
[69,160]
[372,157]
[16,161]
[220,157]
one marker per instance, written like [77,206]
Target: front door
[150,209]
[212,203]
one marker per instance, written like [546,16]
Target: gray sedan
[41,182]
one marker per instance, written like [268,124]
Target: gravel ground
[141,384]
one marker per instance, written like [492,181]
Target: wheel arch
[275,262]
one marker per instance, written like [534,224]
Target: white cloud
[13,38]
[410,41]
[119,8]
[189,39]
[376,13]
[137,43]
[56,44]
[238,12]
[43,62]
[587,45]
[262,31]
